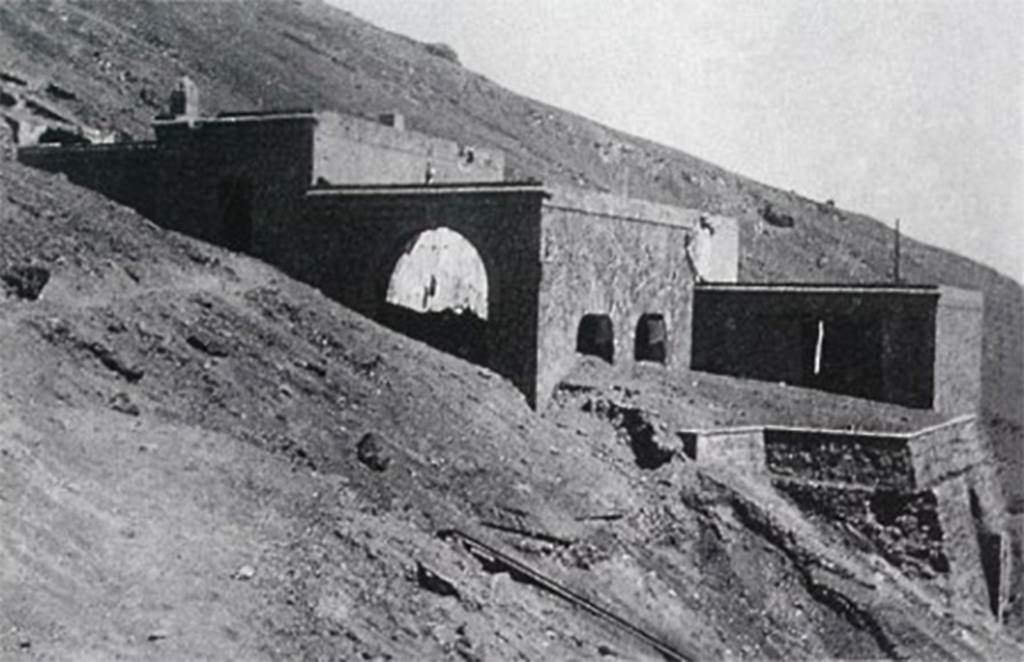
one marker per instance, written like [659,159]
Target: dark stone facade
[918,346]
[348,241]
[292,188]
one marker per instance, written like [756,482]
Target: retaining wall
[740,449]
[925,500]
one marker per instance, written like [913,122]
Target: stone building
[340,202]
[336,200]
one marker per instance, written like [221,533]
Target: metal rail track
[493,558]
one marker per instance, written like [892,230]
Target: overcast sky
[898,108]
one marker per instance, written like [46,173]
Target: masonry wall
[126,173]
[958,350]
[351,150]
[197,160]
[610,256]
[946,451]
[923,500]
[836,457]
[878,343]
[740,449]
[347,244]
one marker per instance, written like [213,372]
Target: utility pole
[896,253]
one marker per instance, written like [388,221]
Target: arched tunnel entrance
[437,292]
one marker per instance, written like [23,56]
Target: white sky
[897,108]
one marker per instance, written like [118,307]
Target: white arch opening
[439,270]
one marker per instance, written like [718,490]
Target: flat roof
[356,190]
[823,288]
[236,118]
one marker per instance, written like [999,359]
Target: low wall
[921,499]
[124,172]
[945,450]
[741,449]
[352,150]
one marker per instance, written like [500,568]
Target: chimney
[393,119]
[185,99]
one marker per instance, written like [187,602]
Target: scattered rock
[372,451]
[443,51]
[112,361]
[121,402]
[774,217]
[58,92]
[157,634]
[245,573]
[8,77]
[25,281]
[435,583]
[207,343]
[650,449]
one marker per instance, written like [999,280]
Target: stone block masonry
[924,500]
[624,260]
[739,449]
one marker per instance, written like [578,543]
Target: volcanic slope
[111,64]
[185,474]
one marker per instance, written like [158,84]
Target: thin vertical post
[896,253]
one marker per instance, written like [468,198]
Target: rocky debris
[25,281]
[244,573]
[637,429]
[8,77]
[779,219]
[443,51]
[61,332]
[207,343]
[372,451]
[58,92]
[435,583]
[121,402]
[157,635]
[115,362]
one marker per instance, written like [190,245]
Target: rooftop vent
[185,99]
